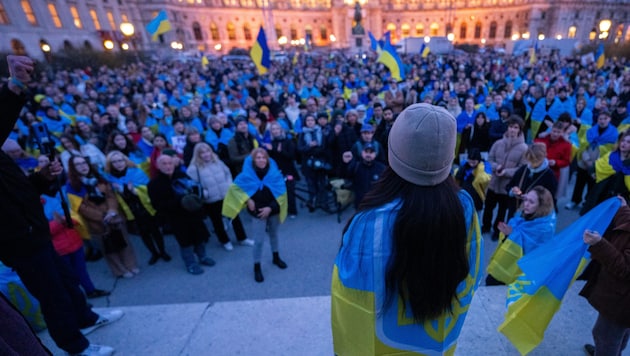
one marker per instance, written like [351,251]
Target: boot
[258,276]
[278,262]
[154,258]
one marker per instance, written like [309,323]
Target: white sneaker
[104,318]
[228,246]
[570,205]
[246,242]
[96,350]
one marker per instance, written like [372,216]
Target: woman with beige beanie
[409,263]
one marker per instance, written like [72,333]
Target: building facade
[39,27]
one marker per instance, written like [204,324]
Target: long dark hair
[429,257]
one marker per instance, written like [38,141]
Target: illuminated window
[197,31]
[294,35]
[278,31]
[393,36]
[493,29]
[112,23]
[419,30]
[94,16]
[462,30]
[28,11]
[406,30]
[214,32]
[231,30]
[124,17]
[507,32]
[4,19]
[75,17]
[323,33]
[572,31]
[478,30]
[55,16]
[247,31]
[434,29]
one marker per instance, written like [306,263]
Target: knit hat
[422,144]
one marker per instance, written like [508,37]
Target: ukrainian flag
[548,272]
[392,61]
[532,53]
[247,184]
[260,52]
[425,50]
[159,25]
[373,42]
[600,58]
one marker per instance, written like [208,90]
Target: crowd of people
[176,143]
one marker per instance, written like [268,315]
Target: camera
[43,139]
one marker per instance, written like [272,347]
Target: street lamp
[541,37]
[427,39]
[525,35]
[124,46]
[108,44]
[450,37]
[45,48]
[127,29]
[332,38]
[515,36]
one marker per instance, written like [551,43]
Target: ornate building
[37,27]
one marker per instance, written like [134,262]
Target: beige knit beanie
[422,144]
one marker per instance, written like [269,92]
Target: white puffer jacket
[215,178]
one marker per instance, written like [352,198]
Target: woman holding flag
[260,187]
[531,227]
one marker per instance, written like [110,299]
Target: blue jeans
[188,254]
[610,338]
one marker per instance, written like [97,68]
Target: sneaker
[95,350]
[570,205]
[135,270]
[207,261]
[194,269]
[228,246]
[246,242]
[590,349]
[104,318]
[292,216]
[97,293]
[127,275]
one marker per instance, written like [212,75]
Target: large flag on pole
[425,50]
[260,52]
[391,60]
[373,42]
[547,274]
[159,25]
[600,58]
[532,53]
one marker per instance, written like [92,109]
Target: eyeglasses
[78,164]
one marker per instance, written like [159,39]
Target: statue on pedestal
[357,29]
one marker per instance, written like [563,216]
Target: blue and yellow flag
[204,62]
[247,184]
[373,42]
[360,324]
[425,50]
[159,25]
[392,61]
[548,272]
[600,57]
[260,52]
[532,53]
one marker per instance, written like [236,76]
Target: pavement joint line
[197,323]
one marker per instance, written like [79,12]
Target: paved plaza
[225,312]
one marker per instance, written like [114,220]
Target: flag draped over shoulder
[392,61]
[359,323]
[260,52]
[547,273]
[600,57]
[247,184]
[526,236]
[159,25]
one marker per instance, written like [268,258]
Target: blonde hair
[258,150]
[537,152]
[196,158]
[545,201]
[108,163]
